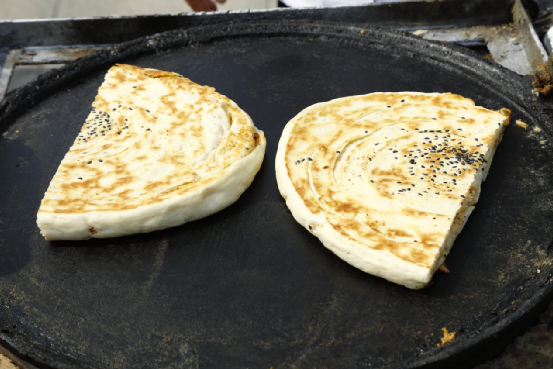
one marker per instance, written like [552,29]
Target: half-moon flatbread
[156,151]
[387,181]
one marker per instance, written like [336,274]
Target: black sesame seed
[310,159]
[80,177]
[395,151]
[100,160]
[89,162]
[337,151]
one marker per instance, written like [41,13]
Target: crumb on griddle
[447,338]
[521,124]
[443,268]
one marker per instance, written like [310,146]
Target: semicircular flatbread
[157,151]
[387,181]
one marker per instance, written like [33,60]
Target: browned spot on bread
[414,213]
[398,233]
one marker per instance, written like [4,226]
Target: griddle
[248,287]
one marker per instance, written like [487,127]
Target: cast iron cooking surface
[249,287]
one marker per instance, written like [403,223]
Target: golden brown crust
[129,134]
[321,139]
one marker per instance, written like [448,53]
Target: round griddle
[248,287]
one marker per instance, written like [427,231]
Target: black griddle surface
[248,287]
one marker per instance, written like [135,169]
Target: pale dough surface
[387,181]
[156,151]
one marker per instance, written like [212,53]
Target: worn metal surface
[248,287]
[43,56]
[514,45]
[535,53]
[413,15]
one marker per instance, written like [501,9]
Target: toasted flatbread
[156,151]
[387,181]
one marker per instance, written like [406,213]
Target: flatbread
[156,151]
[387,181]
